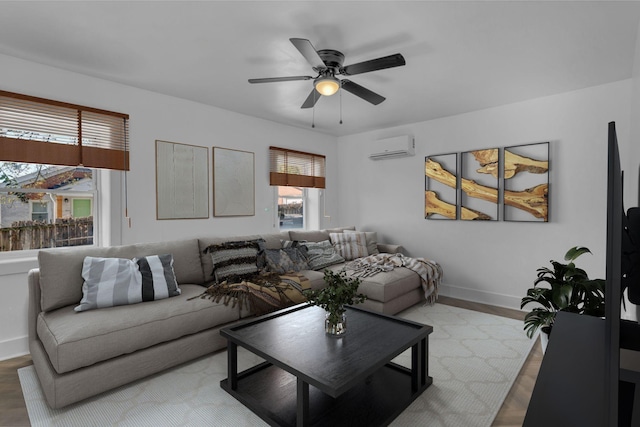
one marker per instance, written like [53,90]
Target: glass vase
[337,329]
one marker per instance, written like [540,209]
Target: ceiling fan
[328,64]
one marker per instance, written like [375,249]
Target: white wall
[632,162]
[153,116]
[494,262]
[489,262]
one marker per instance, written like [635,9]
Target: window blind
[38,130]
[296,168]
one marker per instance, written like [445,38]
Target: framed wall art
[233,182]
[441,186]
[182,181]
[526,182]
[479,185]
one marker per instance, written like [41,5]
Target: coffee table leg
[232,365]
[425,360]
[419,365]
[303,403]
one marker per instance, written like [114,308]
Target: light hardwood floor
[13,412]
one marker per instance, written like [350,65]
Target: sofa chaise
[81,354]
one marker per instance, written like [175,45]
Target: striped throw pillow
[158,278]
[117,281]
[350,245]
[235,261]
[371,238]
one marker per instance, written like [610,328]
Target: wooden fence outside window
[25,235]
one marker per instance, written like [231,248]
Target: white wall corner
[14,347]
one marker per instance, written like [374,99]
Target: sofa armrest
[388,248]
[33,282]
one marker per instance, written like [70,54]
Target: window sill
[18,265]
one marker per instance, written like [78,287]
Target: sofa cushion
[340,229]
[118,281]
[273,240]
[350,245]
[316,278]
[61,269]
[388,285]
[308,235]
[74,340]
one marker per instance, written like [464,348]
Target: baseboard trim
[484,297]
[14,348]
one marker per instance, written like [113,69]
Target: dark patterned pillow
[284,260]
[321,255]
[235,261]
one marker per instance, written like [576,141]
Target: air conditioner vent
[389,148]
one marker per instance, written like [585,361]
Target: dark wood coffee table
[311,379]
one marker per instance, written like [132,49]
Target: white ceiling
[461,56]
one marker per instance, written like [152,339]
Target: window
[296,168]
[291,207]
[39,211]
[45,206]
[42,131]
[296,176]
[48,152]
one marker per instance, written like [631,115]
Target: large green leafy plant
[340,291]
[568,288]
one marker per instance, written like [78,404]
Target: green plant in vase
[339,291]
[569,289]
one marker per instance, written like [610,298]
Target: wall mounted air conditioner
[389,148]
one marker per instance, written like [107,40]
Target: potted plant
[569,289]
[340,291]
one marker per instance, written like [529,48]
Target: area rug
[474,359]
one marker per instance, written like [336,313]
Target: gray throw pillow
[117,281]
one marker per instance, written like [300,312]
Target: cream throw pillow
[350,245]
[372,240]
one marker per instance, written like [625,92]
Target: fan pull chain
[341,104]
[313,111]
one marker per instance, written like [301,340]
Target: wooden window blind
[37,130]
[296,168]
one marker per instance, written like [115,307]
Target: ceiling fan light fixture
[327,86]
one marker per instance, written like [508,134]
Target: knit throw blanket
[429,271]
[260,294]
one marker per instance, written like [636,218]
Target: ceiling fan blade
[311,99]
[362,92]
[390,61]
[280,79]
[309,52]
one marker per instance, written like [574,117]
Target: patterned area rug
[473,359]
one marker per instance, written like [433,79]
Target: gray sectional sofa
[81,354]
